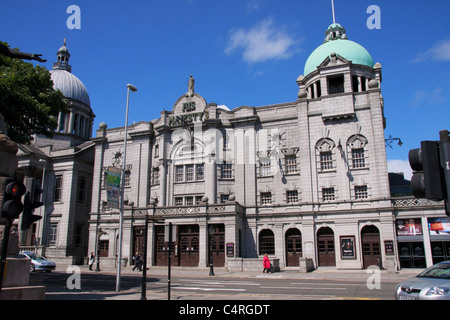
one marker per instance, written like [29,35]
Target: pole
[445,162]
[6,232]
[332,7]
[97,231]
[119,255]
[144,272]
[169,260]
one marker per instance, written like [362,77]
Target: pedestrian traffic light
[29,204]
[427,180]
[12,203]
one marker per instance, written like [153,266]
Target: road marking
[305,288]
[209,282]
[328,284]
[207,289]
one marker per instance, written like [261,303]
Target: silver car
[38,262]
[431,284]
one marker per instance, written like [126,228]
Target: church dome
[63,79]
[336,41]
[70,86]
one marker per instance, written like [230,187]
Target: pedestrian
[266,264]
[91,261]
[137,261]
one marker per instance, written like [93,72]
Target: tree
[28,101]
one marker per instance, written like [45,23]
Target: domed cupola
[80,120]
[338,66]
[336,42]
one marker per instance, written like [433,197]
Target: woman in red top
[266,264]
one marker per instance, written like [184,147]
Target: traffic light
[428,179]
[12,204]
[29,204]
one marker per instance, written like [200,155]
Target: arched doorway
[325,245]
[370,239]
[266,242]
[293,238]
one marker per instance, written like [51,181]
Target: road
[259,287]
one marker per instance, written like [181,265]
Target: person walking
[137,261]
[91,261]
[266,264]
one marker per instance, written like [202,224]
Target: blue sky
[240,52]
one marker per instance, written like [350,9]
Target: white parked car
[431,284]
[38,263]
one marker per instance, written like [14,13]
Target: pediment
[334,60]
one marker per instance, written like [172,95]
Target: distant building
[305,179]
[64,165]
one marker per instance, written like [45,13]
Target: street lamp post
[119,256]
[211,262]
[144,272]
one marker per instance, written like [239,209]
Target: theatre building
[301,181]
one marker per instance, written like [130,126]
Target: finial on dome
[64,41]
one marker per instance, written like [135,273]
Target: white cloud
[439,52]
[400,166]
[261,43]
[422,97]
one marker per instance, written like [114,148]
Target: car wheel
[32,268]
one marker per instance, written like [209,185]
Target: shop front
[423,242]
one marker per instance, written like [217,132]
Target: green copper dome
[336,41]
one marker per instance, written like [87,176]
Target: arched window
[325,154]
[266,242]
[357,151]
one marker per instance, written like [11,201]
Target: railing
[414,202]
[185,210]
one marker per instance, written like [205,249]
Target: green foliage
[28,101]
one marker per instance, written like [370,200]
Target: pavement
[321,274]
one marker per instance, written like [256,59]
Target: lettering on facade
[189,117]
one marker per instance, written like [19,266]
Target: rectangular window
[226,171]
[53,236]
[200,171]
[361,192]
[190,172]
[79,235]
[178,201]
[328,194]
[292,196]
[326,160]
[127,179]
[265,167]
[358,159]
[155,178]
[81,192]
[189,201]
[266,198]
[224,198]
[179,173]
[57,189]
[336,84]
[291,164]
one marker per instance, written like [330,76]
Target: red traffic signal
[12,205]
